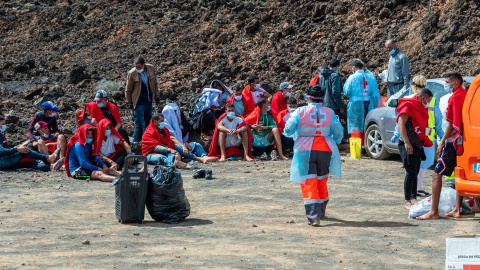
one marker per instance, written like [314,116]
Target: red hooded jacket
[151,138]
[419,114]
[81,137]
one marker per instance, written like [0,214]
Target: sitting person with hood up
[113,148]
[83,161]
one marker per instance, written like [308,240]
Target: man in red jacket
[279,100]
[239,102]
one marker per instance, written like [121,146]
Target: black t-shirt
[106,112]
[412,135]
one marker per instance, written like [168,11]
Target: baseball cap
[101,94]
[40,124]
[48,105]
[285,85]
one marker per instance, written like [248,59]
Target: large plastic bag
[166,200]
[448,197]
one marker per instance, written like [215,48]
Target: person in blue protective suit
[435,126]
[362,91]
[317,132]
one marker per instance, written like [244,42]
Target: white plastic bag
[447,203]
[383,75]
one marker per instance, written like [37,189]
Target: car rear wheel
[374,143]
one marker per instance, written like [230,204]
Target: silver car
[380,123]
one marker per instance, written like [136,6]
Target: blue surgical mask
[447,88]
[140,70]
[4,127]
[89,140]
[336,71]
[257,86]
[392,52]
[100,105]
[268,109]
[292,110]
[288,94]
[231,115]
[161,125]
[238,98]
[53,114]
[108,132]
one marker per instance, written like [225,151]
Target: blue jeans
[142,115]
[11,162]
[198,150]
[169,158]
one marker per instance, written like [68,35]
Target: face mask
[89,117]
[53,114]
[89,140]
[268,108]
[45,135]
[161,125]
[292,110]
[425,105]
[100,105]
[336,71]
[353,70]
[238,98]
[140,70]
[231,115]
[288,94]
[257,86]
[392,52]
[447,88]
[4,127]
[108,132]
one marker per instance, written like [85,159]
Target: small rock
[247,172]
[222,38]
[11,211]
[389,244]
[30,63]
[20,68]
[263,231]
[58,187]
[136,233]
[254,226]
[85,242]
[252,27]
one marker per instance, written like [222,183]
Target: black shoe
[199,174]
[208,174]
[423,193]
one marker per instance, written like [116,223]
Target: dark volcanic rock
[77,74]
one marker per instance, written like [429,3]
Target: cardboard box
[463,253]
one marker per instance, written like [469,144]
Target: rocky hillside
[60,50]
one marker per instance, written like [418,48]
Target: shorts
[447,161]
[261,141]
[82,174]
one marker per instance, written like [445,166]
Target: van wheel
[374,143]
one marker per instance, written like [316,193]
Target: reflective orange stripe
[314,189]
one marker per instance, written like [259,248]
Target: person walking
[140,92]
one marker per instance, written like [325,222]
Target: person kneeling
[83,161]
[113,147]
[231,132]
[264,128]
[22,156]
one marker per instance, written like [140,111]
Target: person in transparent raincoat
[317,132]
[362,91]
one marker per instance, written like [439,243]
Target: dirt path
[240,220]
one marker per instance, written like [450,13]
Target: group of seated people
[236,122]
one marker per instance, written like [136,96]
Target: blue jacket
[4,150]
[80,156]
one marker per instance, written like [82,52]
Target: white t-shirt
[443,105]
[108,146]
[232,125]
[257,95]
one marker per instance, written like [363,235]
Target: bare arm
[222,128]
[125,146]
[448,132]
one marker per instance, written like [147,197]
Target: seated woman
[177,128]
[158,143]
[113,148]
[264,128]
[83,161]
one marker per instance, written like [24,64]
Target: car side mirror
[393,103]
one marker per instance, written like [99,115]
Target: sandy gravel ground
[249,217]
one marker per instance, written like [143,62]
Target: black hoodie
[330,80]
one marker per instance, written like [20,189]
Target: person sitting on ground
[282,118]
[279,99]
[47,115]
[85,116]
[240,103]
[111,112]
[83,161]
[178,129]
[47,143]
[253,92]
[232,132]
[264,127]
[412,124]
[22,156]
[113,148]
[159,144]
[226,92]
[207,106]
